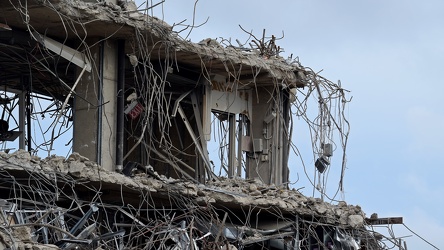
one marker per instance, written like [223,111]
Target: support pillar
[232,145]
[269,124]
[259,163]
[120,104]
[94,113]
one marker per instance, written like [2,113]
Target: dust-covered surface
[238,192]
[57,186]
[73,203]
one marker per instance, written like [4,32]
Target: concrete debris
[355,220]
[21,238]
[77,157]
[125,12]
[123,15]
[235,191]
[74,203]
[210,42]
[229,247]
[236,194]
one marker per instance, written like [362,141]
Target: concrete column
[270,162]
[95,105]
[259,162]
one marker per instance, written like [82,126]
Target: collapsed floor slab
[79,198]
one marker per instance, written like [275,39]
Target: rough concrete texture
[223,193]
[20,238]
[123,15]
[235,192]
[125,12]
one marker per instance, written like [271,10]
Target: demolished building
[142,103]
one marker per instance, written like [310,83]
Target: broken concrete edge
[21,238]
[237,193]
[125,14]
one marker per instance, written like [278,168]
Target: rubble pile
[203,202]
[124,18]
[21,238]
[74,203]
[124,12]
[223,190]
[257,194]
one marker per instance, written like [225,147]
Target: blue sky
[389,54]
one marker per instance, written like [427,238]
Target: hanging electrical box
[258,145]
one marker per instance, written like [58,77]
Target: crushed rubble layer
[74,202]
[235,193]
[20,237]
[75,166]
[122,19]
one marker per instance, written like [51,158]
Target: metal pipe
[100,108]
[64,106]
[211,175]
[239,145]
[169,161]
[28,118]
[22,113]
[93,208]
[120,104]
[231,145]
